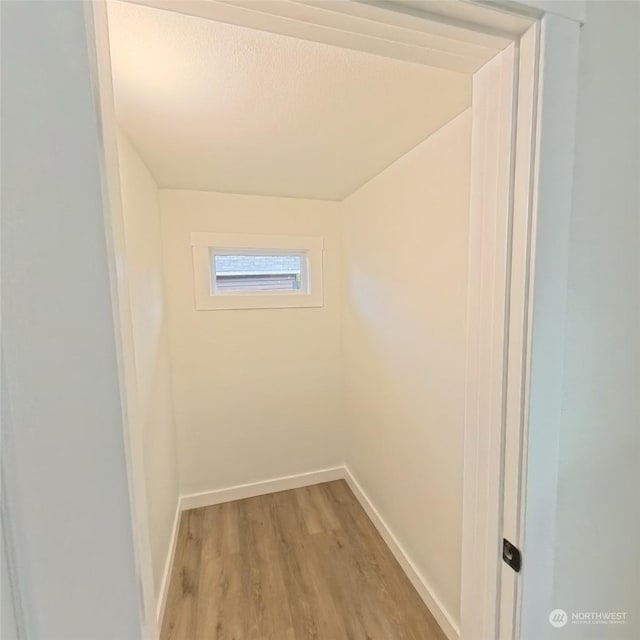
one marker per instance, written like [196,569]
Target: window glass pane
[257,272]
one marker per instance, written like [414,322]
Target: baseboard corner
[425,591]
[249,490]
[166,574]
[259,488]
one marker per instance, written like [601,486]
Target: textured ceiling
[218,107]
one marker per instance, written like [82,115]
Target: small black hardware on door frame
[511,555]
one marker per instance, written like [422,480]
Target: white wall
[10,595]
[597,562]
[8,620]
[258,393]
[143,241]
[13,560]
[404,344]
[75,542]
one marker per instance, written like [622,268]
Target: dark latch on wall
[511,555]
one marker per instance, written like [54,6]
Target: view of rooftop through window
[257,272]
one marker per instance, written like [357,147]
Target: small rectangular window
[235,271]
[259,272]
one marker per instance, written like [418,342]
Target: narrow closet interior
[296,229]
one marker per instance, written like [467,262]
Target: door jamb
[492,215]
[535,296]
[548,274]
[98,43]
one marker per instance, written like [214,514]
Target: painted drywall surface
[13,560]
[405,257]
[143,239]
[9,624]
[258,392]
[219,107]
[76,542]
[598,519]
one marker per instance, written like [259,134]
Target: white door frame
[545,324]
[515,350]
[518,248]
[514,396]
[492,216]
[98,43]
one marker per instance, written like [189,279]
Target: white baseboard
[439,612]
[166,574]
[238,492]
[208,498]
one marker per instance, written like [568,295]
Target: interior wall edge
[343,199]
[413,149]
[122,131]
[260,488]
[168,565]
[238,194]
[393,438]
[143,263]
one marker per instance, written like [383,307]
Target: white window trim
[204,245]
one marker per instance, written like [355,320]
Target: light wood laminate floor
[296,565]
